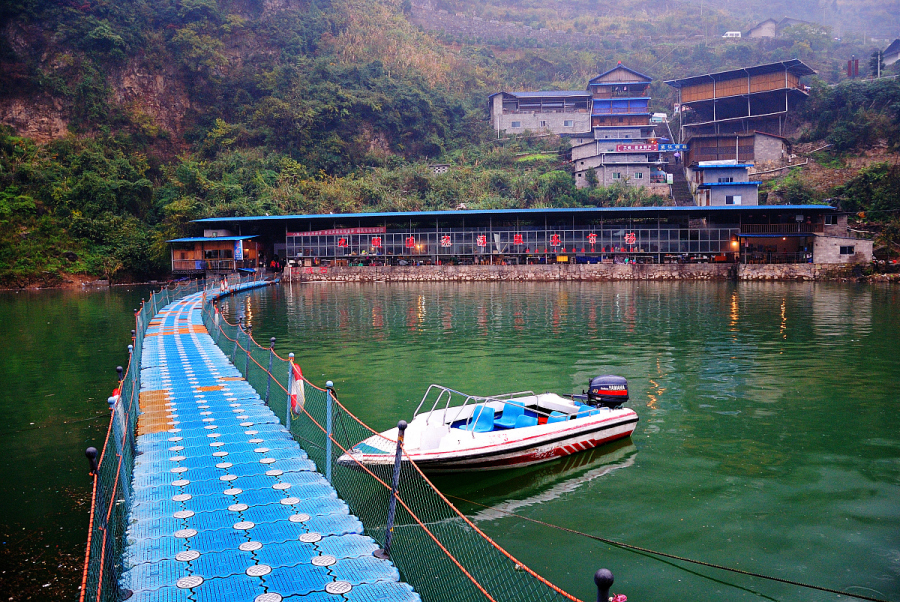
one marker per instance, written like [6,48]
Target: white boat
[467,432]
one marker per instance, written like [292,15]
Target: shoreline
[545,273]
[591,273]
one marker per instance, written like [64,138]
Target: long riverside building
[226,505]
[727,233]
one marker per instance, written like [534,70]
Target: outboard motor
[608,391]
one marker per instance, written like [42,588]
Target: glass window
[516,124]
[568,123]
[847,250]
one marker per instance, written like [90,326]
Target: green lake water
[58,356]
[769,438]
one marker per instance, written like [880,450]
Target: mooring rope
[672,556]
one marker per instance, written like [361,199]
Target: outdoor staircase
[681,192]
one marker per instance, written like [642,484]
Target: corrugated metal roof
[708,184]
[510,212]
[548,94]
[210,238]
[785,235]
[795,66]
[724,166]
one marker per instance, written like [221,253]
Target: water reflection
[508,493]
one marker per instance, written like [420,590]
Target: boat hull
[465,451]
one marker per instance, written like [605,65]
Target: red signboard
[341,231]
[637,148]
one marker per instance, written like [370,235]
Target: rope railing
[111,487]
[436,548]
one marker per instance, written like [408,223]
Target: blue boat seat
[524,420]
[586,410]
[511,413]
[557,417]
[483,420]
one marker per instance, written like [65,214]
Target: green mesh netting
[437,550]
[435,547]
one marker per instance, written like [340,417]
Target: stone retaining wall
[561,272]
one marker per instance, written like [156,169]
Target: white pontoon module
[467,432]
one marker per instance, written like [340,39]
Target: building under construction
[740,114]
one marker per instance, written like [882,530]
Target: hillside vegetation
[133,118]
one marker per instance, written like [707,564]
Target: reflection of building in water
[842,310]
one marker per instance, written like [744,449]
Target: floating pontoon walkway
[226,506]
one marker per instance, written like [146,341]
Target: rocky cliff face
[39,78]
[41,118]
[157,98]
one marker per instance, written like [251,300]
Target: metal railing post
[237,335]
[385,552]
[269,371]
[329,423]
[287,413]
[247,361]
[216,319]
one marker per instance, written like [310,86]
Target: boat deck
[226,505]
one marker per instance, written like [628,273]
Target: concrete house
[556,112]
[716,183]
[624,147]
[760,148]
[770,28]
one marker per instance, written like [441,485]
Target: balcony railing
[211,265]
[797,228]
[621,111]
[531,111]
[765,257]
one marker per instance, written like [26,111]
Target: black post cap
[272,342]
[402,425]
[120,370]
[604,580]
[91,454]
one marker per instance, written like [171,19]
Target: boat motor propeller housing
[608,391]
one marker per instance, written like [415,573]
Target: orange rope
[491,541]
[87,554]
[365,468]
[105,531]
[418,521]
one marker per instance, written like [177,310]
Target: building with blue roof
[725,233]
[217,251]
[623,146]
[722,183]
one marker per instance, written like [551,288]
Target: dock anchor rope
[672,556]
